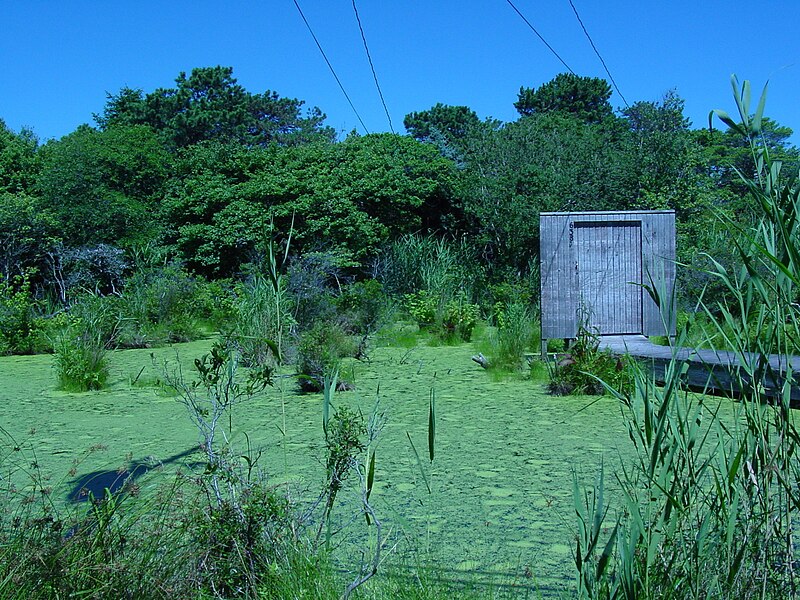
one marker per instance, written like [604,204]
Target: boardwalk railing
[713,371]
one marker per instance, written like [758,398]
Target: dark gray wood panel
[564,255]
[609,267]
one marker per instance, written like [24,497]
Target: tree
[663,154]
[19,162]
[584,97]
[454,122]
[727,153]
[548,161]
[26,234]
[210,104]
[102,186]
[349,197]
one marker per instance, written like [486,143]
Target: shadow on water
[95,483]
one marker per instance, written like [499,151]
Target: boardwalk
[713,370]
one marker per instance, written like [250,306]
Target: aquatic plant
[711,510]
[81,346]
[517,331]
[585,369]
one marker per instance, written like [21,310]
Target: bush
[319,352]
[159,305]
[314,281]
[90,329]
[517,331]
[459,319]
[364,306]
[450,321]
[423,306]
[584,368]
[17,316]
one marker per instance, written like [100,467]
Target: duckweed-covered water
[500,509]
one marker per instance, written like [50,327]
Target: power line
[372,67]
[596,51]
[544,41]
[330,66]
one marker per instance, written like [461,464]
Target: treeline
[208,175]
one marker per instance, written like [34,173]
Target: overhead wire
[544,41]
[330,66]
[597,52]
[372,66]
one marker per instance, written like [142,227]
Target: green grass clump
[517,332]
[81,347]
[585,369]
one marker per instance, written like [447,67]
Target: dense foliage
[205,207]
[209,173]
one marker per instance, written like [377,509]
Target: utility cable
[372,67]
[544,41]
[596,51]
[330,66]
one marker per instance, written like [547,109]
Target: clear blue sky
[60,58]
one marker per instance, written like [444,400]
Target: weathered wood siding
[593,265]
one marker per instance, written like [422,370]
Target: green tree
[102,186]
[26,234]
[584,97]
[209,104]
[727,153]
[548,161]
[348,197]
[663,155]
[447,128]
[19,163]
[454,122]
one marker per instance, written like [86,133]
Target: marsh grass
[516,333]
[262,321]
[710,508]
[81,345]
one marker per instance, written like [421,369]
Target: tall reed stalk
[711,506]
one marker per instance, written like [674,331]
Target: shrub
[319,352]
[459,318]
[17,316]
[81,346]
[584,368]
[314,281]
[159,306]
[364,306]
[423,306]
[450,321]
[517,331]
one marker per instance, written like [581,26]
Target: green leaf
[432,423]
[725,118]
[371,474]
[419,463]
[755,126]
[328,389]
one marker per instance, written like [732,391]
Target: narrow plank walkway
[713,370]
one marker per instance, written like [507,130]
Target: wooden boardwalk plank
[717,371]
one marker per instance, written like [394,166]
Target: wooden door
[609,269]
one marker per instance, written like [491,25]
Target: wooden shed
[593,266]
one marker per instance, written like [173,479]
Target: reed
[710,508]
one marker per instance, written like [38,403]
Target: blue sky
[60,58]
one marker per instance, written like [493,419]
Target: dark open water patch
[98,483]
